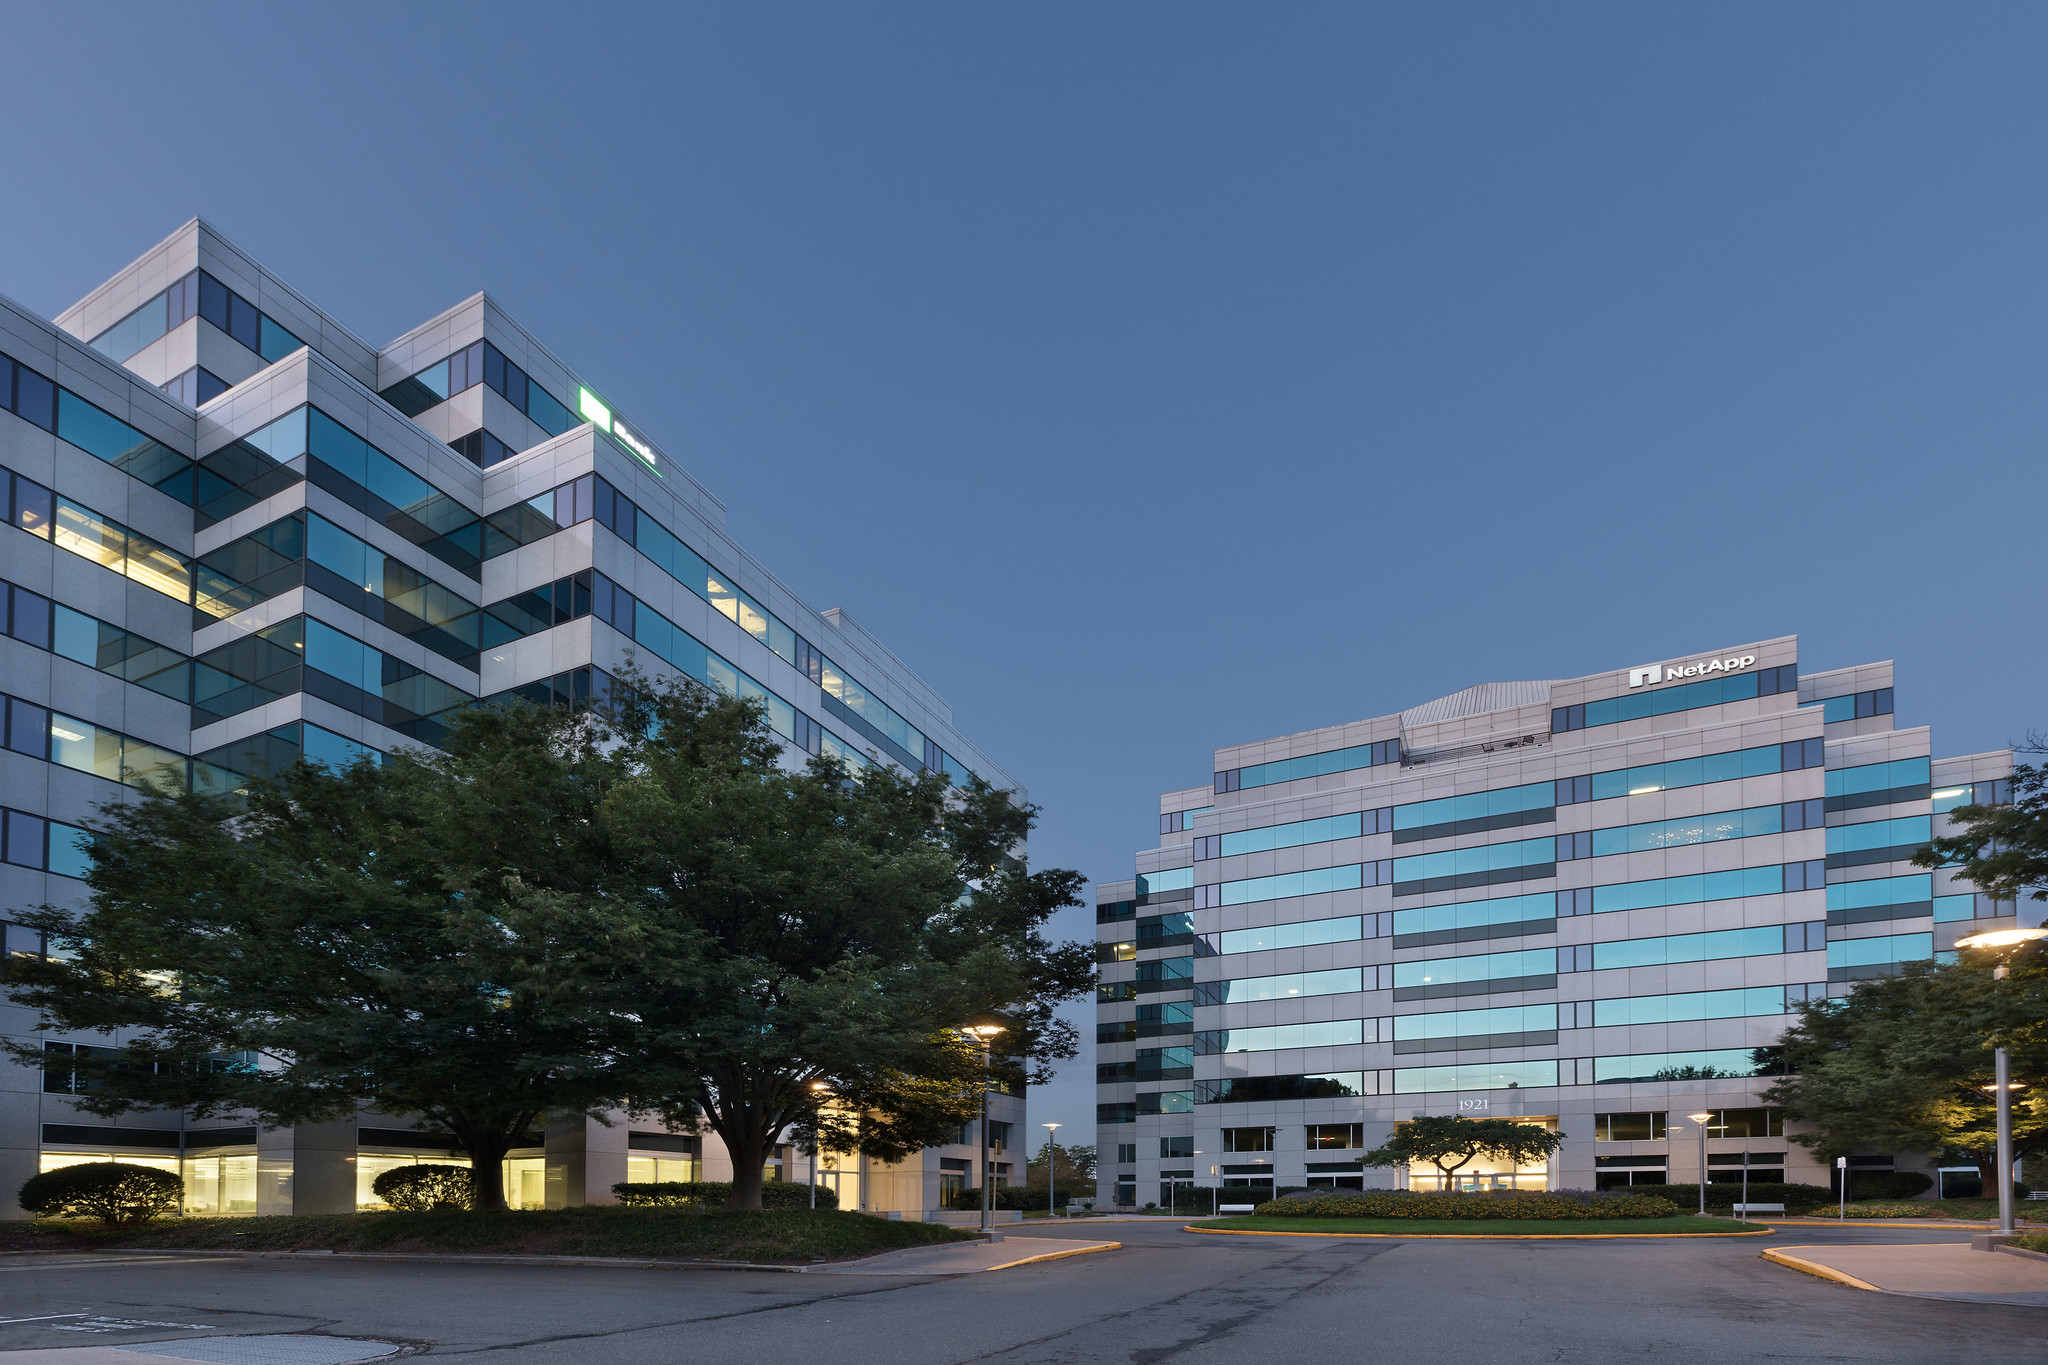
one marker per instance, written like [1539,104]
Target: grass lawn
[791,1235]
[1479,1227]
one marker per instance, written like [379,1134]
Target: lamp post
[816,1148]
[1702,1120]
[982,1033]
[1051,1168]
[2002,941]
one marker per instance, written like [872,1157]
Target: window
[1290,884]
[1691,772]
[1708,947]
[1166,1019]
[1340,981]
[1486,865]
[1167,1102]
[1667,701]
[1695,829]
[1881,898]
[1173,822]
[1688,1066]
[1878,841]
[1153,884]
[1634,1127]
[1166,1063]
[1995,792]
[1270,1089]
[1248,1139]
[196,387]
[1296,834]
[1711,886]
[1857,958]
[1303,934]
[1127,1154]
[34,841]
[1335,1137]
[1166,974]
[1469,921]
[1854,705]
[1108,912]
[1479,974]
[1949,909]
[1311,765]
[1166,931]
[1116,952]
[1687,1006]
[1172,1148]
[1125,1032]
[1878,784]
[1118,1113]
[1504,808]
[1416,1080]
[1746,1123]
[1451,1030]
[481,363]
[1329,1033]
[201,294]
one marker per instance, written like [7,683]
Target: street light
[982,1033]
[816,1149]
[1051,1169]
[2002,941]
[1702,1120]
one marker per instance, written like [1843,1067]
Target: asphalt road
[1167,1296]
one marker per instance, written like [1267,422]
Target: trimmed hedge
[1888,1184]
[112,1191]
[1528,1204]
[421,1188]
[1792,1196]
[713,1194]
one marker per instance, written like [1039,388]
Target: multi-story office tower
[1585,903]
[334,548]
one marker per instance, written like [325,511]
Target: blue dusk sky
[1159,376]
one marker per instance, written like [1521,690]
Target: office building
[241,534]
[1586,903]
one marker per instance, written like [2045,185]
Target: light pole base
[1990,1241]
[997,1237]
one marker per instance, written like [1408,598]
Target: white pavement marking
[269,1350]
[44,1318]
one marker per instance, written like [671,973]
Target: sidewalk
[1928,1270]
[967,1258]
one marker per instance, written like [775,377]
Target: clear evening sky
[1159,376]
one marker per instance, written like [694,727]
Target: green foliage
[774,1235]
[1072,1168]
[418,1188]
[1573,1205]
[2002,850]
[711,1194]
[1448,1142]
[846,927]
[565,913]
[1028,1197]
[1888,1184]
[1904,1063]
[1791,1194]
[112,1191]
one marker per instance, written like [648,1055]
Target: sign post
[1842,1174]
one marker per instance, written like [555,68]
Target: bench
[1759,1208]
[1235,1208]
[2038,1194]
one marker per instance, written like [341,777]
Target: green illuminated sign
[594,412]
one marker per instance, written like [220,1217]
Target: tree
[431,936]
[1904,1063]
[1071,1168]
[1437,1138]
[2002,849]
[848,925]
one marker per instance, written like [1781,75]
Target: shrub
[416,1189]
[112,1191]
[1793,1196]
[1888,1184]
[1888,1209]
[1005,1197]
[1555,1204]
[1969,1187]
[713,1194]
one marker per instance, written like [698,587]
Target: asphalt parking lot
[1166,1296]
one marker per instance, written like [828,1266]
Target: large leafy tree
[435,936]
[848,925]
[1450,1143]
[1904,1063]
[2002,849]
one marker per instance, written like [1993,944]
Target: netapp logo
[1661,673]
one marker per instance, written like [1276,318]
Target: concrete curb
[2022,1251]
[1815,1268]
[1054,1256]
[1482,1236]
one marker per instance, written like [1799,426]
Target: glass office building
[1588,904]
[240,534]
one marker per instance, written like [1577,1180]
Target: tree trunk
[486,1145]
[747,1137]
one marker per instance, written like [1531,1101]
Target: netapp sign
[1663,673]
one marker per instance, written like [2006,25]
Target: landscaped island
[1497,1213]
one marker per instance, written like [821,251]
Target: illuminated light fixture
[2001,938]
[1639,791]
[594,412]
